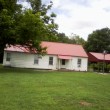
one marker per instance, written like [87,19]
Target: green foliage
[95,67]
[62,38]
[99,67]
[10,6]
[7,31]
[73,40]
[30,28]
[8,11]
[78,40]
[99,40]
[26,27]
[108,67]
[36,5]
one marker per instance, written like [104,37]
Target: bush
[99,67]
[108,67]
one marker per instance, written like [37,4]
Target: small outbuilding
[99,62]
[98,57]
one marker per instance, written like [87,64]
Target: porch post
[58,63]
[71,64]
[104,53]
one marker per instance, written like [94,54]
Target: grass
[23,89]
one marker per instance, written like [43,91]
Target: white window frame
[50,60]
[8,57]
[36,60]
[79,61]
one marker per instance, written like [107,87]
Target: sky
[81,17]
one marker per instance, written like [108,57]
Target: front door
[63,63]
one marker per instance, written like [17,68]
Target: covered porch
[64,62]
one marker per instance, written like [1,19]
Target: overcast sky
[81,17]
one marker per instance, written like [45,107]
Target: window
[8,57]
[50,60]
[36,60]
[79,62]
[63,61]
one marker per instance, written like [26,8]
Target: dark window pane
[8,57]
[36,60]
[79,62]
[50,60]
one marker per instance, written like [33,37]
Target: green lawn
[22,89]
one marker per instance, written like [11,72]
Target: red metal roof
[64,49]
[19,48]
[55,48]
[98,56]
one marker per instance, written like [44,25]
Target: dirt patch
[84,103]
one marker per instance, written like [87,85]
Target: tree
[29,30]
[35,25]
[26,27]
[37,7]
[78,40]
[61,37]
[98,41]
[74,39]
[8,11]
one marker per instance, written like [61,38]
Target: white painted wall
[24,60]
[84,64]
[72,64]
[6,63]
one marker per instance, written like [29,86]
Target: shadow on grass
[4,69]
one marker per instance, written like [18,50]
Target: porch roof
[64,57]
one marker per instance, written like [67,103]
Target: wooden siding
[26,60]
